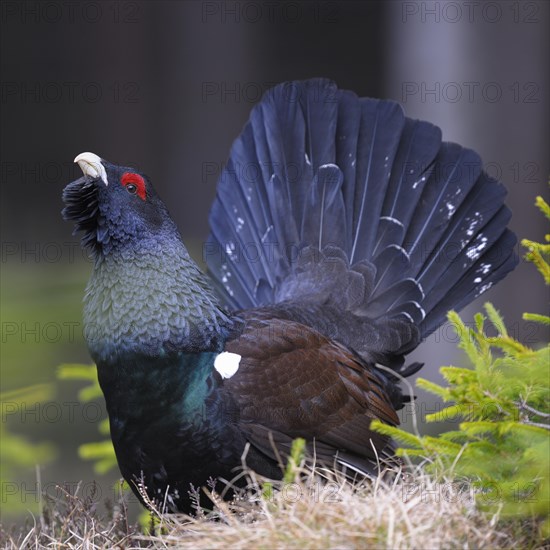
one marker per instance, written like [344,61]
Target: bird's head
[114,206]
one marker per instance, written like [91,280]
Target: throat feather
[154,302]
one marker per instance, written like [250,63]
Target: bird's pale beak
[92,166]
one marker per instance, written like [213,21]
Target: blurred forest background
[167,86]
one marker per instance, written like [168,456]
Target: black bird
[341,234]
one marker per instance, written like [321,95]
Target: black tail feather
[406,227]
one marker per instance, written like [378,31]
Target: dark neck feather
[154,299]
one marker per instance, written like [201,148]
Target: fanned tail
[341,212]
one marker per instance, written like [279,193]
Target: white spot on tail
[474,251]
[230,248]
[422,312]
[485,268]
[227,363]
[484,288]
[417,182]
[450,209]
[393,220]
[408,316]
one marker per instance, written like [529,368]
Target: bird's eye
[135,184]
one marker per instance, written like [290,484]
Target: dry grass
[315,511]
[69,521]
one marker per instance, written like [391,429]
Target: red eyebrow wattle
[137,180]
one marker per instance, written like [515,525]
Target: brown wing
[294,382]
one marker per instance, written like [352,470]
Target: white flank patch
[227,363]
